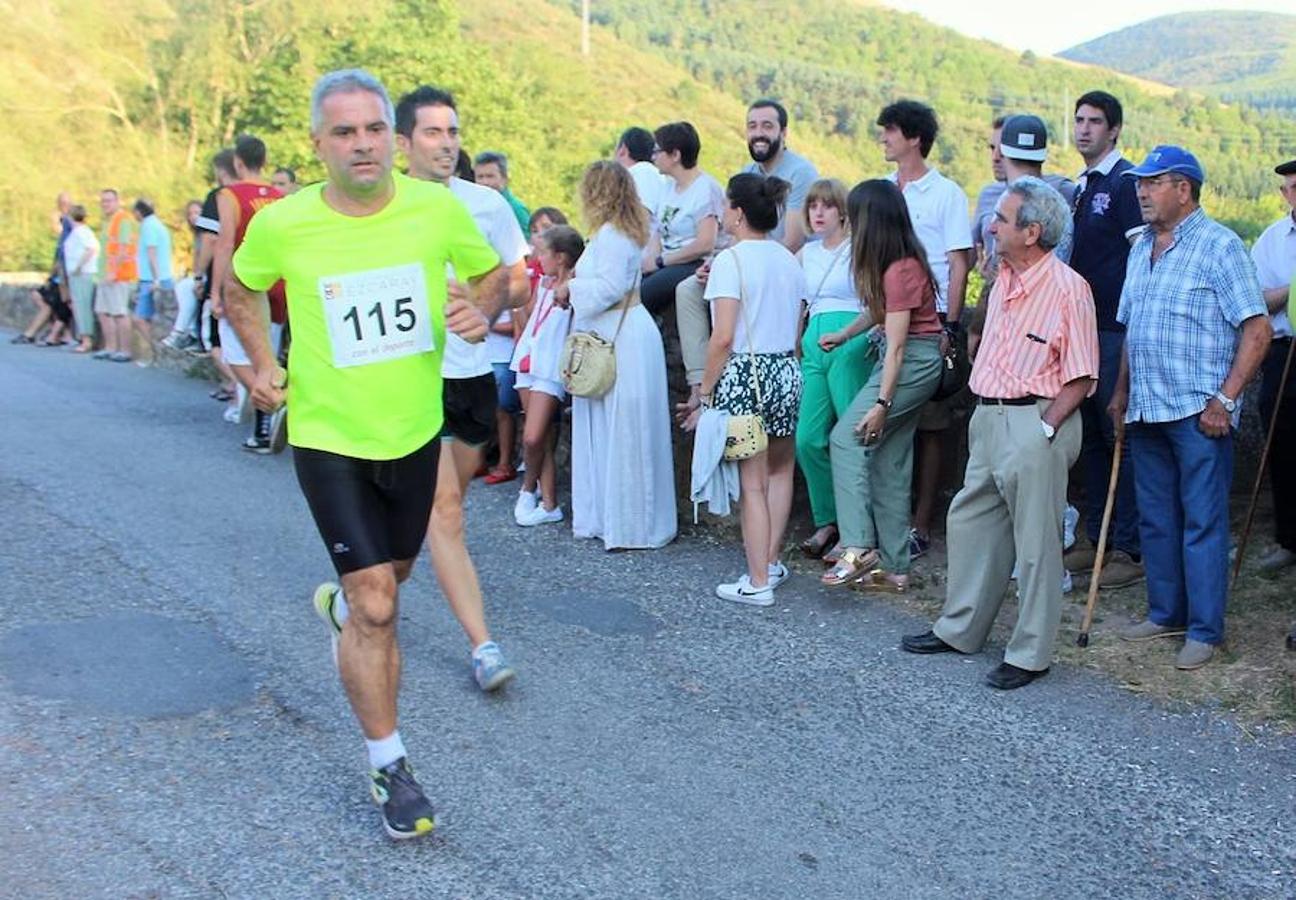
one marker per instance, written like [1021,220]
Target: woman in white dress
[623,482]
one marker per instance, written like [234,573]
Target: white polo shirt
[939,210]
[1274,255]
[495,220]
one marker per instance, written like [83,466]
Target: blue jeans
[509,401]
[1183,478]
[1096,455]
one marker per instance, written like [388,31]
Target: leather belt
[1008,401]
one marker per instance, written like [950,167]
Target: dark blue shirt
[65,228]
[1106,211]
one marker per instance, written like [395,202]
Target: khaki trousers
[1009,512]
[693,317]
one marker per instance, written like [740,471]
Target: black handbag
[956,369]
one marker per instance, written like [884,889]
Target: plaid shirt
[1182,315]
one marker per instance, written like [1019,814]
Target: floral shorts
[780,390]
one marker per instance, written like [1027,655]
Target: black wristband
[884,403]
[661,263]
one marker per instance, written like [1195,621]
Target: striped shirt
[1182,314]
[1040,333]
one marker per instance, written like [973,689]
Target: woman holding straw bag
[623,482]
[755,290]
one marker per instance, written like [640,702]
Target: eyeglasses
[656,150]
[1158,180]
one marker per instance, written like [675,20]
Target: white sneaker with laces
[542,516]
[741,591]
[778,573]
[524,507]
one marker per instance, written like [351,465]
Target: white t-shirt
[939,210]
[541,343]
[772,288]
[681,212]
[495,219]
[499,347]
[828,278]
[651,186]
[80,239]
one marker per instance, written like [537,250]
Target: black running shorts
[369,512]
[469,408]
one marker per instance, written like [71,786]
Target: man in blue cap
[1197,331]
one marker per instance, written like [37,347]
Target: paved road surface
[171,726]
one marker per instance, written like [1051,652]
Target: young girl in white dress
[536,362]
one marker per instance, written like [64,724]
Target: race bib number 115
[378,315]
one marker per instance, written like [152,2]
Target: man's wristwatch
[884,403]
[1229,404]
[661,263]
[1049,430]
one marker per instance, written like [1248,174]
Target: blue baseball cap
[1169,158]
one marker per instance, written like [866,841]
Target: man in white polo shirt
[939,210]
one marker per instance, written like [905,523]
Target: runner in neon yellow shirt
[364,261]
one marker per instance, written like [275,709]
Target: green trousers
[830,382]
[872,483]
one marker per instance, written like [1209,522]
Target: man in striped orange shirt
[1038,359]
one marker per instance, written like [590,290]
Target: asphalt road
[171,725]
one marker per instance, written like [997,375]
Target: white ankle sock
[340,612]
[386,751]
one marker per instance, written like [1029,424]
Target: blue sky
[1047,27]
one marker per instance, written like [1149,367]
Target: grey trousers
[693,317]
[1009,512]
[871,484]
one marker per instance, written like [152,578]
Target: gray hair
[342,81]
[486,157]
[1041,205]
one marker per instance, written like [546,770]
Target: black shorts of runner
[49,292]
[369,512]
[469,408]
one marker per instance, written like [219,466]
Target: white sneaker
[542,516]
[232,414]
[524,507]
[778,573]
[741,591]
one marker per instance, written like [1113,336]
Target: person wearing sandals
[836,354]
[81,260]
[755,290]
[623,480]
[871,446]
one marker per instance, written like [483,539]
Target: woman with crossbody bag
[623,482]
[755,290]
[836,353]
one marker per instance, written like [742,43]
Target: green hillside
[1242,56]
[138,94]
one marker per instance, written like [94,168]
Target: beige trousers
[1009,512]
[693,317]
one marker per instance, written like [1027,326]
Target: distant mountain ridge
[1247,57]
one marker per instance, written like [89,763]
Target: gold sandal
[852,565]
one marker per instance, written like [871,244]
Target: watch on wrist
[884,403]
[1049,430]
[1229,404]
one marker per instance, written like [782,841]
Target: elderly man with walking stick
[1037,361]
[1196,333]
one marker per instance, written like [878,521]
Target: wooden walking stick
[1082,640]
[1264,458]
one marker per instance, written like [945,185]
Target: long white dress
[623,482]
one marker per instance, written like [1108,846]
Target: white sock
[340,612]
[386,751]
[478,649]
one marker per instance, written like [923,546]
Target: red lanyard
[540,319]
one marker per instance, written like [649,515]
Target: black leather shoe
[927,642]
[1007,677]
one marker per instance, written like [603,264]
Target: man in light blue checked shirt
[1196,334]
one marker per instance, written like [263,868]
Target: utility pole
[585,19]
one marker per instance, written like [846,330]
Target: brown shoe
[1080,558]
[1119,570]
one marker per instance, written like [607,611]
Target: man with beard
[767,128]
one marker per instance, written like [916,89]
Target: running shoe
[98,354]
[325,602]
[490,668]
[120,357]
[918,545]
[741,591]
[406,811]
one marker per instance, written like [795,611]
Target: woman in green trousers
[871,446]
[836,354]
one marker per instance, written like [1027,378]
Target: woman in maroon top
[871,446]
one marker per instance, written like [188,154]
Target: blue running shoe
[490,668]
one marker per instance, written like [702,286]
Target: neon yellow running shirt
[366,299]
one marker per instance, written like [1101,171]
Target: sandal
[880,582]
[815,549]
[852,565]
[830,558]
[222,395]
